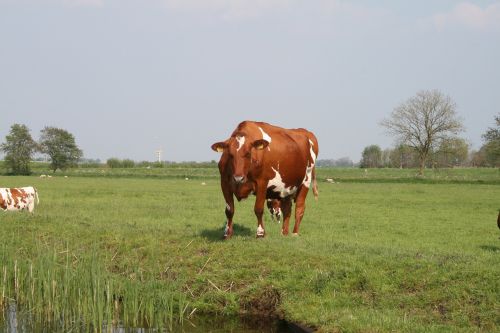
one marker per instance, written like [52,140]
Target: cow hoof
[260,232]
[296,234]
[284,233]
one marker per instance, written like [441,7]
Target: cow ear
[260,144]
[219,146]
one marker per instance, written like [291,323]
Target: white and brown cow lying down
[22,198]
[272,163]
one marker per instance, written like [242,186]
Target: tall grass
[57,288]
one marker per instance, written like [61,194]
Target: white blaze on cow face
[266,137]
[280,187]
[241,142]
[308,177]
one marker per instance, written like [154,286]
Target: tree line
[453,152]
[426,128]
[116,163]
[58,144]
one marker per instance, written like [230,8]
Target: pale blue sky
[127,76]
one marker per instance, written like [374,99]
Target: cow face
[240,150]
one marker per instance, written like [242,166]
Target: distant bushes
[117,163]
[90,163]
[344,162]
[191,164]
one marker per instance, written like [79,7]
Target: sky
[129,77]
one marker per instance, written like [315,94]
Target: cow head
[241,150]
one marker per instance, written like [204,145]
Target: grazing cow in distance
[272,163]
[22,198]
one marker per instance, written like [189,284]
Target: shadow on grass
[215,235]
[490,248]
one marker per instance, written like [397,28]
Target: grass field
[209,170]
[386,254]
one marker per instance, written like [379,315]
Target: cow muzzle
[239,179]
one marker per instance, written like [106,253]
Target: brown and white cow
[22,198]
[272,163]
[274,206]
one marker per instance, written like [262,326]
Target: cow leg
[31,203]
[228,230]
[300,207]
[286,208]
[271,209]
[31,206]
[228,197]
[259,210]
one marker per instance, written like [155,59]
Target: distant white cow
[22,198]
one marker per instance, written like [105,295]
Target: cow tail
[315,184]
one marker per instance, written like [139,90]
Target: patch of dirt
[265,302]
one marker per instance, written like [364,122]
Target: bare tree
[423,121]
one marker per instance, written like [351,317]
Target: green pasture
[146,250]
[208,170]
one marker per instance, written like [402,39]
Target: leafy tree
[128,163]
[371,157]
[403,156]
[477,158]
[19,148]
[491,148]
[60,145]
[452,152]
[114,163]
[386,158]
[492,133]
[423,121]
[492,153]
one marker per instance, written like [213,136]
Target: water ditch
[16,321]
